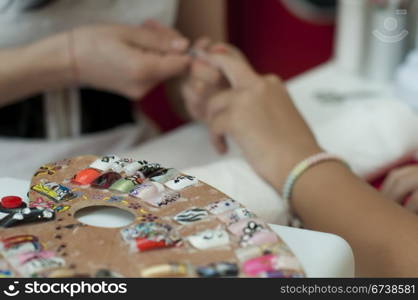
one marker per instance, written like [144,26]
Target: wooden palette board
[88,249]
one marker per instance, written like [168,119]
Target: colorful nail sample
[149,169]
[249,226]
[54,191]
[191,215]
[181,182]
[164,175]
[221,207]
[215,270]
[133,167]
[106,180]
[236,215]
[165,198]
[147,190]
[144,244]
[86,176]
[167,270]
[104,164]
[119,165]
[259,238]
[255,266]
[125,185]
[209,239]
[27,215]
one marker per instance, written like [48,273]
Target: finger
[219,142]
[205,72]
[194,103]
[162,67]
[162,39]
[395,176]
[221,102]
[202,43]
[412,203]
[400,186]
[236,69]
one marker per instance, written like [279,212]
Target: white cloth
[19,27]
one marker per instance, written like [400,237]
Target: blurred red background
[274,40]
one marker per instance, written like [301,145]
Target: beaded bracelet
[297,172]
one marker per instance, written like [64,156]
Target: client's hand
[259,115]
[202,81]
[401,186]
[129,60]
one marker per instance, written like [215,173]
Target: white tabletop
[321,254]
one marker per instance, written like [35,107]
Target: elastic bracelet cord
[73,60]
[296,173]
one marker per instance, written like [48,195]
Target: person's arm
[35,68]
[127,60]
[203,22]
[258,114]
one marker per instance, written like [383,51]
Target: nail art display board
[182,228]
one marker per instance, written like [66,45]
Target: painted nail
[164,176]
[144,244]
[165,198]
[181,182]
[147,230]
[133,167]
[215,270]
[106,180]
[248,226]
[191,215]
[54,191]
[179,44]
[236,215]
[104,164]
[209,239]
[222,206]
[259,238]
[39,265]
[167,270]
[27,215]
[125,185]
[21,248]
[86,176]
[147,190]
[244,254]
[258,265]
[150,168]
[119,165]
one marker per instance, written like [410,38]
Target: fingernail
[220,49]
[179,44]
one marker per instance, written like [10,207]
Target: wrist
[286,159]
[49,63]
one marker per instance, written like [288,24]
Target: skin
[258,114]
[400,184]
[134,60]
[151,53]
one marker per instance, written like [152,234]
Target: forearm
[330,198]
[39,67]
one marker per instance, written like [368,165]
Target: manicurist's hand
[401,186]
[258,114]
[129,60]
